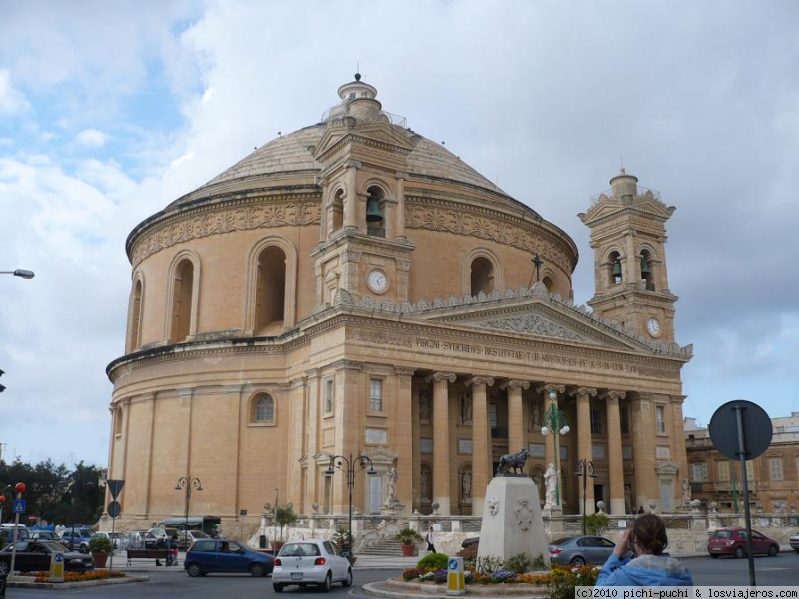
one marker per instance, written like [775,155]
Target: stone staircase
[384,547]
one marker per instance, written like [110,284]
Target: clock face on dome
[377,281]
[653,327]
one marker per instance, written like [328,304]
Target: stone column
[313,400]
[351,200]
[615,463]
[515,413]
[403,437]
[584,446]
[441,462]
[417,453]
[643,440]
[481,442]
[399,216]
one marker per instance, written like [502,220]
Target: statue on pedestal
[551,482]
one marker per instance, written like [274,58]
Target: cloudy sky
[110,110]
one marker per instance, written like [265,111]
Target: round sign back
[114,509]
[757,429]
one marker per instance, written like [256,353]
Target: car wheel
[278,587]
[258,570]
[84,548]
[739,552]
[714,555]
[797,550]
[577,561]
[327,583]
[347,582]
[773,550]
[194,570]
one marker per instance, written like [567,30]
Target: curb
[76,585]
[410,590]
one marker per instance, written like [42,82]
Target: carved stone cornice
[479,380]
[584,392]
[255,213]
[346,365]
[464,219]
[437,377]
[515,384]
[404,371]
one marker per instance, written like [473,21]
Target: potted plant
[284,516]
[408,537]
[100,547]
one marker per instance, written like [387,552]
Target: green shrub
[540,562]
[519,563]
[488,564]
[435,561]
[100,545]
[596,524]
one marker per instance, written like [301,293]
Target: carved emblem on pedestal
[524,514]
[493,505]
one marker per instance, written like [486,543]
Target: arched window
[614,268]
[270,294]
[182,301]
[548,283]
[263,409]
[135,316]
[375,212]
[336,212]
[646,271]
[482,276]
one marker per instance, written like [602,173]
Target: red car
[732,541]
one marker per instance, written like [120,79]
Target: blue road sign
[19,506]
[59,557]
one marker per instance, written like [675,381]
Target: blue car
[218,555]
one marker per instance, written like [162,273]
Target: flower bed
[76,576]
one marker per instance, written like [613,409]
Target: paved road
[780,570]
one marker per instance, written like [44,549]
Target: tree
[285,516]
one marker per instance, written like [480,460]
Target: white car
[315,561]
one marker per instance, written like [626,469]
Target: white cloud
[12,101]
[91,138]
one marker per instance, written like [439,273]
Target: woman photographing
[648,565]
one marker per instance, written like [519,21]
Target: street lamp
[186,484]
[556,419]
[25,274]
[585,470]
[361,462]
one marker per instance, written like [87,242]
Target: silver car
[315,561]
[580,550]
[794,541]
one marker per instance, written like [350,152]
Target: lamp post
[20,489]
[186,483]
[351,463]
[22,273]
[585,470]
[556,419]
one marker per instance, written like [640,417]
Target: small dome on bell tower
[624,186]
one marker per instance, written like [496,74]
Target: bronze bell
[644,267]
[617,268]
[373,213]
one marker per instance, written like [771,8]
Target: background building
[773,477]
[353,288]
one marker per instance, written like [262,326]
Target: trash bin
[262,542]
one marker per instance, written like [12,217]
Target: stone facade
[354,288]
[773,477]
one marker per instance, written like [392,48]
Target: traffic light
[2,388]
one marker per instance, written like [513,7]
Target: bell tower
[628,236]
[362,154]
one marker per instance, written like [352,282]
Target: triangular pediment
[646,204]
[379,134]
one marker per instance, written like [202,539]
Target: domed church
[355,289]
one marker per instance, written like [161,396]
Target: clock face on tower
[653,327]
[377,281]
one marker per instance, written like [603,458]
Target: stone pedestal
[512,522]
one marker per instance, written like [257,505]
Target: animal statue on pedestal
[513,461]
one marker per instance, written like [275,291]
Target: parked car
[794,541]
[580,550]
[34,556]
[732,541]
[315,561]
[114,537]
[44,535]
[160,532]
[186,539]
[77,539]
[7,533]
[219,555]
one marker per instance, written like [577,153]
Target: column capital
[404,371]
[551,387]
[515,384]
[437,377]
[480,380]
[614,394]
[583,391]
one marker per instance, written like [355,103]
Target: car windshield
[722,534]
